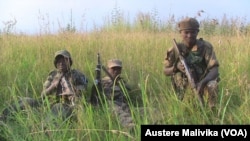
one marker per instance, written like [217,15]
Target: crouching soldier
[64,84]
[114,90]
[201,60]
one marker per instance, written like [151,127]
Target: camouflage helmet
[63,53]
[188,24]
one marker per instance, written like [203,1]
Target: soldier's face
[62,64]
[115,71]
[189,37]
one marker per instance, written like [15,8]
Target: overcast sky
[34,15]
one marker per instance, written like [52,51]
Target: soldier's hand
[55,83]
[56,80]
[180,67]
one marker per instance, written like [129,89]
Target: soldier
[21,104]
[200,59]
[114,89]
[65,84]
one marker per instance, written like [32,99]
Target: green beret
[188,24]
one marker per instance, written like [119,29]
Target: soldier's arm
[212,71]
[211,75]
[212,65]
[47,88]
[169,65]
[81,83]
[50,84]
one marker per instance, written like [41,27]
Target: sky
[34,16]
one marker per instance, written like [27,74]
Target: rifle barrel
[188,74]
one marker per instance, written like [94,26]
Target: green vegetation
[26,61]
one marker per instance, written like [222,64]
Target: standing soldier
[201,60]
[114,89]
[65,84]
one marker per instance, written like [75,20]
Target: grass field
[26,61]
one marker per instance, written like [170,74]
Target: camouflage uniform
[70,88]
[200,59]
[113,94]
[21,104]
[73,82]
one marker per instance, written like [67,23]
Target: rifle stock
[188,74]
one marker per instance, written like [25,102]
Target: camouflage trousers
[180,84]
[61,110]
[21,104]
[122,112]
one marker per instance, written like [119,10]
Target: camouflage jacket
[115,91]
[200,59]
[74,82]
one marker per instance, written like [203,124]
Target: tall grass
[26,61]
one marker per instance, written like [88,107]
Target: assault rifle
[188,74]
[97,86]
[96,91]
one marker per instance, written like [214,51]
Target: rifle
[96,91]
[188,74]
[109,75]
[97,87]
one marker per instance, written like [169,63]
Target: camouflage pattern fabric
[212,90]
[114,95]
[200,60]
[67,94]
[21,104]
[59,112]
[180,83]
[113,91]
[72,84]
